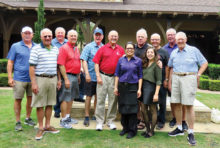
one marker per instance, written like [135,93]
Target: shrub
[214,85]
[203,83]
[214,71]
[3,65]
[4,79]
[204,77]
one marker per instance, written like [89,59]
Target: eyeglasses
[49,36]
[130,48]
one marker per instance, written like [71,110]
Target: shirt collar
[70,45]
[96,45]
[168,45]
[109,45]
[184,49]
[23,44]
[132,58]
[42,46]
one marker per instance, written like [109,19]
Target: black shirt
[139,52]
[163,56]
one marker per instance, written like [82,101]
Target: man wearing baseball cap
[18,57]
[87,55]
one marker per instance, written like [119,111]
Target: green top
[153,73]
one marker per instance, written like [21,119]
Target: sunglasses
[49,36]
[129,48]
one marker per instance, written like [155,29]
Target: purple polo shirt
[129,71]
[169,49]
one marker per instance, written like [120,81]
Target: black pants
[162,104]
[129,122]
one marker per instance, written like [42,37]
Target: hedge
[204,77]
[3,79]
[214,85]
[203,83]
[214,71]
[3,65]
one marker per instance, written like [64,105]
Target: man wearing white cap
[18,57]
[87,55]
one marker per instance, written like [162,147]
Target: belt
[184,73]
[47,76]
[72,74]
[110,75]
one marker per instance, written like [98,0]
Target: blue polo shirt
[169,49]
[20,53]
[186,60]
[88,54]
[55,42]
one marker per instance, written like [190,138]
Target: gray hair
[45,29]
[171,30]
[182,34]
[112,31]
[60,28]
[142,30]
[72,30]
[155,34]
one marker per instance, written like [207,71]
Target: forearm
[10,68]
[170,73]
[32,74]
[203,68]
[167,70]
[140,81]
[85,67]
[63,72]
[116,82]
[58,73]
[157,90]
[97,70]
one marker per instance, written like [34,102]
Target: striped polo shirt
[44,60]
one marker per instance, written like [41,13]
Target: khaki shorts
[20,88]
[183,89]
[47,92]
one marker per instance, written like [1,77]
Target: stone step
[202,112]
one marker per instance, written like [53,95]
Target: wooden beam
[113,13]
[53,11]
[159,14]
[190,15]
[129,13]
[68,11]
[144,13]
[175,14]
[98,12]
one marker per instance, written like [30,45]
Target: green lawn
[91,138]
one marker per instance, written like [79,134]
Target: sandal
[141,125]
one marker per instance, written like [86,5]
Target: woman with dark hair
[128,83]
[152,75]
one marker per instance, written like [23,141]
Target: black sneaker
[172,122]
[18,126]
[184,125]
[176,132]
[191,139]
[122,133]
[159,126]
[29,122]
[86,122]
[57,115]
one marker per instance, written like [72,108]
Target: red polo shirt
[69,56]
[107,58]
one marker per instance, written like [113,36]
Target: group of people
[136,78]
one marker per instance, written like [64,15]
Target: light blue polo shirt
[186,60]
[20,53]
[55,42]
[88,54]
[44,60]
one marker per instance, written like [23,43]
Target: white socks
[190,131]
[180,127]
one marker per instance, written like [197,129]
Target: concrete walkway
[199,127]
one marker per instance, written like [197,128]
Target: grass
[91,138]
[211,100]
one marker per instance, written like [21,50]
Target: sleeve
[33,61]
[85,53]
[200,58]
[118,68]
[98,56]
[12,53]
[62,56]
[170,62]
[158,74]
[140,70]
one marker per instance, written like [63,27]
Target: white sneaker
[99,127]
[112,126]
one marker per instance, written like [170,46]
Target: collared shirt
[169,49]
[107,58]
[153,73]
[69,56]
[186,60]
[139,52]
[44,60]
[129,71]
[87,55]
[56,43]
[20,53]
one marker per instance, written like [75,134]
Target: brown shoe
[40,134]
[51,129]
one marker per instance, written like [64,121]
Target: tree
[39,24]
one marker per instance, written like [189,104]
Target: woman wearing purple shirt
[128,83]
